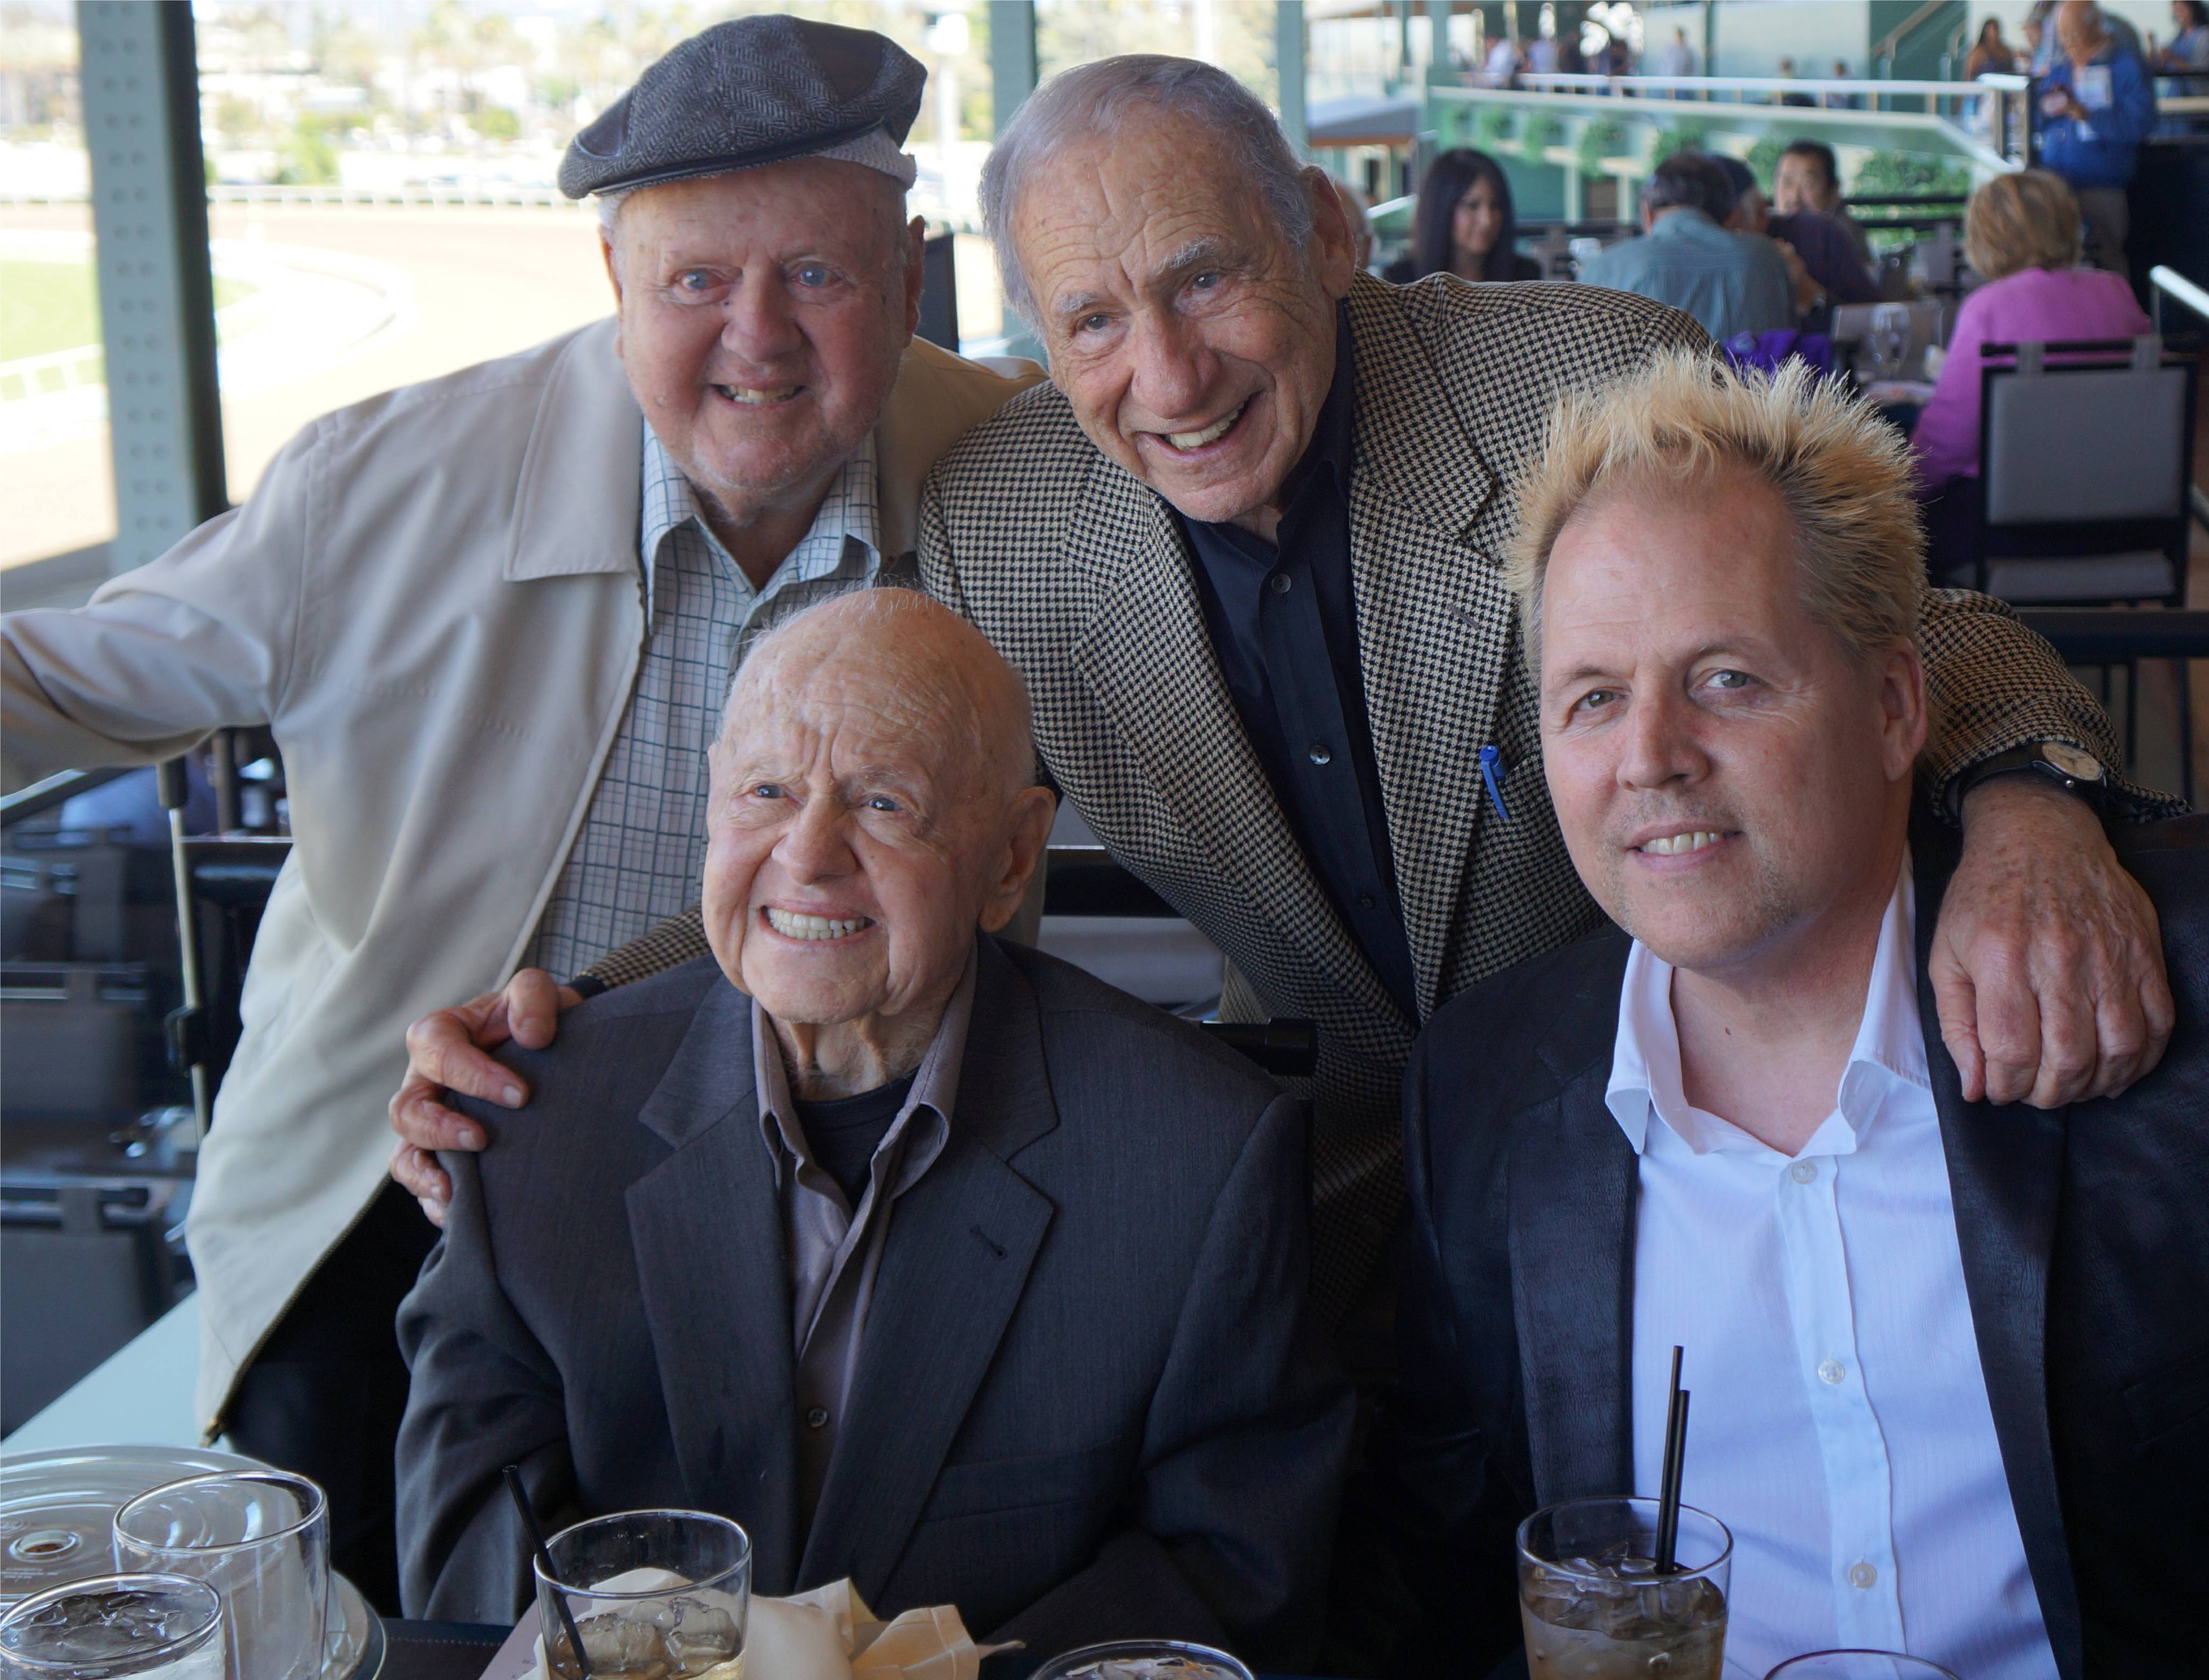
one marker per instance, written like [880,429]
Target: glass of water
[112,1626]
[1858,1666]
[654,1595]
[261,1539]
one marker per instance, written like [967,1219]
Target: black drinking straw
[1676,1449]
[513,1475]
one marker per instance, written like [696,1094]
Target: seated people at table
[1822,264]
[932,1260]
[2092,110]
[1730,282]
[1948,1363]
[2021,232]
[1464,224]
[1809,178]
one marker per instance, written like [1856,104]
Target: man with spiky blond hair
[1939,1356]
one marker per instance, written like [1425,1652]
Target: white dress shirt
[1840,1424]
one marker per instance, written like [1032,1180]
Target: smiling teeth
[750,398]
[1211,434]
[793,924]
[1670,845]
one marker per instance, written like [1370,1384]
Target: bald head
[873,804]
[921,669]
[2080,30]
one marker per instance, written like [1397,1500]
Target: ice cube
[616,1644]
[696,1634]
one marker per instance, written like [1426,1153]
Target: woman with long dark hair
[1464,224]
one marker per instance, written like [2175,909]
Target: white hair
[1100,98]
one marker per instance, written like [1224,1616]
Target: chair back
[2084,450]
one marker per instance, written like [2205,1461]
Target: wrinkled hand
[445,1051]
[2048,961]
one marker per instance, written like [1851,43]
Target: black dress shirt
[1283,622]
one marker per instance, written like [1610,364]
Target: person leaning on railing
[2021,232]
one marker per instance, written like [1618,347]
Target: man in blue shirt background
[2097,104]
[1730,282]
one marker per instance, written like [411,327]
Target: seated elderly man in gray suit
[1950,1364]
[932,1260]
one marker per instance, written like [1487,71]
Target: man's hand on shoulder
[2048,961]
[446,1051]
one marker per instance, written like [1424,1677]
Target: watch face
[2078,766]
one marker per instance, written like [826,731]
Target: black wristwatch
[2071,769]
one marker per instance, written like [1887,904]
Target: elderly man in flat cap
[491,620]
[1246,549]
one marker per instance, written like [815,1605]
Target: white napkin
[828,1634]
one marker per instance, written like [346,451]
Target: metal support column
[1440,70]
[1289,64]
[1012,58]
[142,120]
[1013,75]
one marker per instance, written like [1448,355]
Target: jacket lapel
[2005,1179]
[1145,654]
[707,1227]
[1435,620]
[1575,1179]
[961,1243]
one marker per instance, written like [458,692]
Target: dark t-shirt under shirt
[844,1132]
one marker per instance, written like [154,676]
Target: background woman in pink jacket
[2022,233]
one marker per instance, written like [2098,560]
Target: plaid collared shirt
[642,846]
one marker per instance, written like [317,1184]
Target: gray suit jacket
[1090,1402]
[2084,1254]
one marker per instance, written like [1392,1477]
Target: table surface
[459,1650]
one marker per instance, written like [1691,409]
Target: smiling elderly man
[1246,550]
[930,1260]
[1948,1363]
[490,620]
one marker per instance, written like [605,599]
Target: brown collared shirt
[835,1249]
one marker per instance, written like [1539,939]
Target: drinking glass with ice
[138,1627]
[653,1595]
[1594,1605]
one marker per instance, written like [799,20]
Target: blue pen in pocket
[1494,771]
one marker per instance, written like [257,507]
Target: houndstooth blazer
[1079,573]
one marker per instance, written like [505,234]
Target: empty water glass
[115,1627]
[653,1595]
[1858,1666]
[261,1539]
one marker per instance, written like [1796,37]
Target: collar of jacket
[578,498]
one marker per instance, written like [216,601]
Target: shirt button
[1830,1371]
[1365,900]
[817,1417]
[1803,1171]
[1321,753]
[1863,1576]
[1279,583]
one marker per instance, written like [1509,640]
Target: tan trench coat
[433,599]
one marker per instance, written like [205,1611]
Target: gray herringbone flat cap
[751,91]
